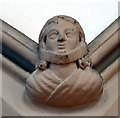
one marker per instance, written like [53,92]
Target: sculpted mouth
[61,46]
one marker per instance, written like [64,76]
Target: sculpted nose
[61,39]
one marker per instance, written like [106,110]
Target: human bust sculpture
[63,77]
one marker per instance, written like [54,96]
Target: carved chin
[64,58]
[77,90]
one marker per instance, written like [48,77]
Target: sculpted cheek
[50,44]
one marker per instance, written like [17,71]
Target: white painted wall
[29,16]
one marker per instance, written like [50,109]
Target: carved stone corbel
[63,77]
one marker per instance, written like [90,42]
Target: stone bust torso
[63,77]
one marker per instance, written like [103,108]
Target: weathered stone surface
[64,77]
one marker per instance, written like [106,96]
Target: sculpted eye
[69,34]
[53,35]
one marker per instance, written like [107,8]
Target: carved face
[62,37]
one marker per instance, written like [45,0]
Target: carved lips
[61,47]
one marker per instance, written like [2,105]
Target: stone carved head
[61,41]
[69,81]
